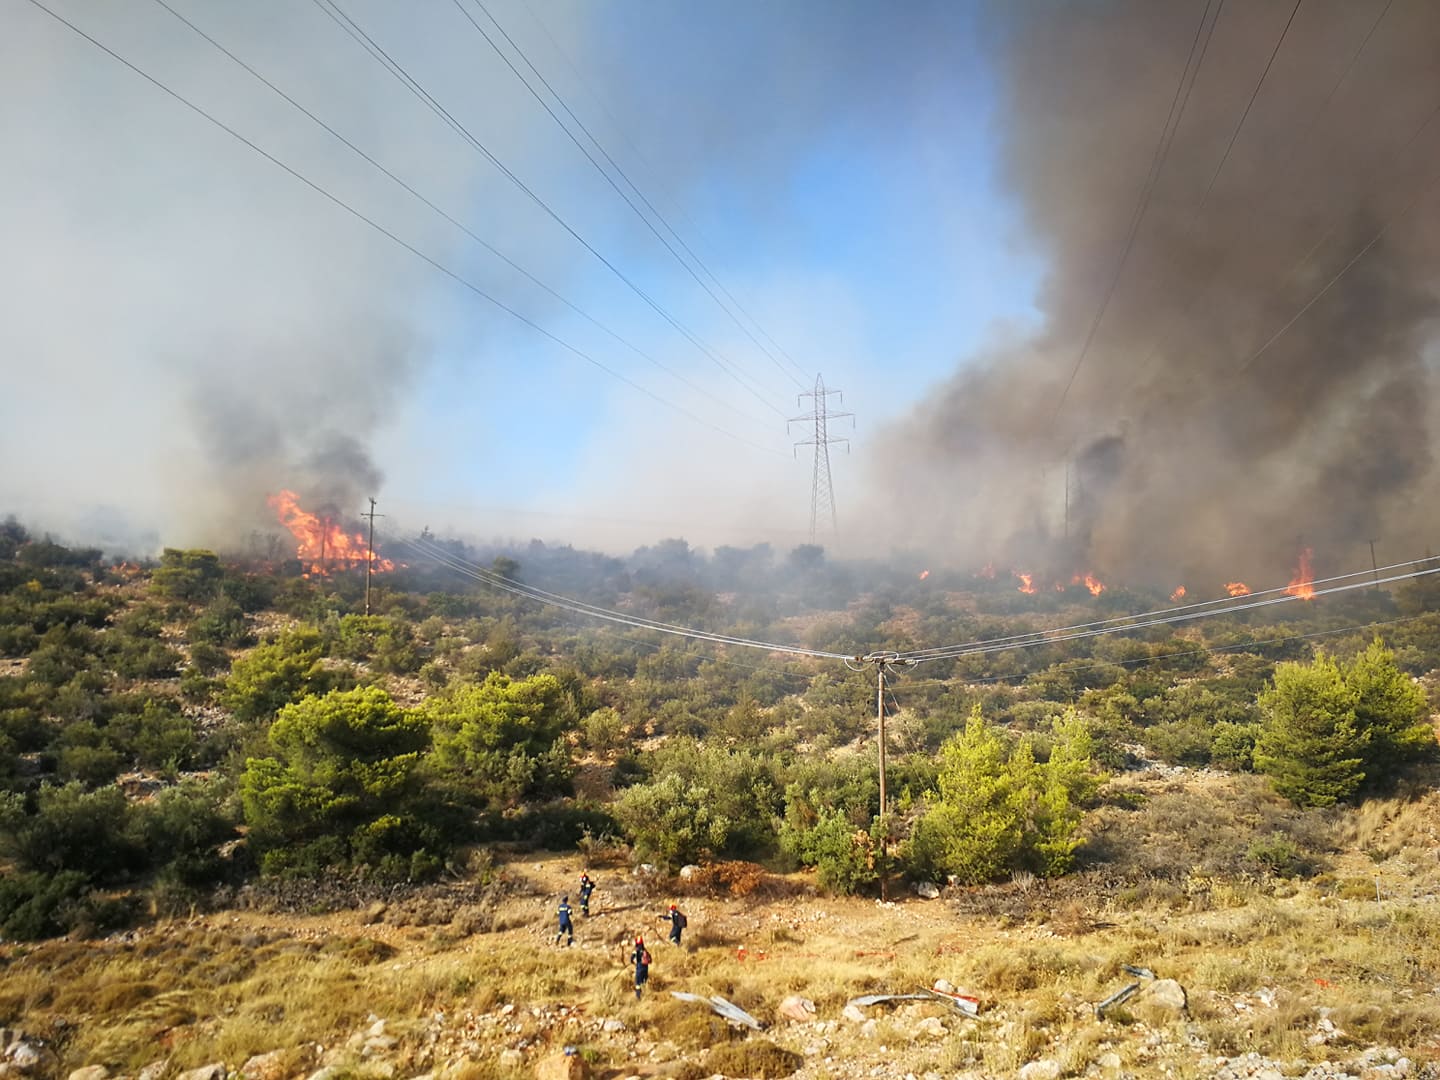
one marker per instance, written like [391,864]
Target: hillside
[253,819]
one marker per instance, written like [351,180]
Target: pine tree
[1311,744]
[1393,709]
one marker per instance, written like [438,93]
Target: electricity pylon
[822,494]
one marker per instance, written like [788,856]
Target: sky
[1144,290]
[194,324]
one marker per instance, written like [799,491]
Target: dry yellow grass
[1260,961]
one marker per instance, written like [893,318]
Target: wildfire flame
[924,574]
[1178,594]
[321,544]
[1303,583]
[1091,582]
[1237,588]
[1027,582]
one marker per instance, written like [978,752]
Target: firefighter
[640,957]
[567,928]
[678,922]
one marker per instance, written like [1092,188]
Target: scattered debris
[730,1011]
[1118,998]
[962,1003]
[967,1004]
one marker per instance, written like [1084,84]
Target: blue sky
[221,323]
[863,230]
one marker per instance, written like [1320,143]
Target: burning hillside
[321,543]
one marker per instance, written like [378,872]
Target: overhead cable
[1198,605]
[461,226]
[378,53]
[1209,649]
[579,607]
[1187,617]
[599,99]
[1147,189]
[606,175]
[394,237]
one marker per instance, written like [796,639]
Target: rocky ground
[1332,977]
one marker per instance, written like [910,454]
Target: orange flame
[1237,588]
[1027,582]
[1091,582]
[924,574]
[320,544]
[1303,583]
[1178,594]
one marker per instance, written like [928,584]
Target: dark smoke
[1184,462]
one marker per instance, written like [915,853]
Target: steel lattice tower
[822,493]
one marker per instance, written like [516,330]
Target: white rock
[932,1026]
[271,1066]
[91,1072]
[945,986]
[869,1028]
[154,1071]
[688,871]
[214,1071]
[613,1025]
[927,890]
[797,1008]
[511,1057]
[1044,1069]
[1166,994]
[854,1014]
[1109,1062]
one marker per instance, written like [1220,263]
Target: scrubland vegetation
[1242,804]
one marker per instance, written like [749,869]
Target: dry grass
[1259,964]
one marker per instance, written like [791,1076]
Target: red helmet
[673,908]
[639,941]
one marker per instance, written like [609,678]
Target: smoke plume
[1187,452]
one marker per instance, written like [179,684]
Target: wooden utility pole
[881,660]
[880,721]
[370,552]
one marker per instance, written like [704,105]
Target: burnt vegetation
[179,734]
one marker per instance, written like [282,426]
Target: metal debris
[727,1009]
[967,1006]
[1117,998]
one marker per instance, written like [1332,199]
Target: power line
[358,34]
[1234,135]
[579,607]
[395,238]
[599,99]
[1210,649]
[1190,617]
[601,170]
[1197,294]
[1426,190]
[450,218]
[1198,605]
[1147,189]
